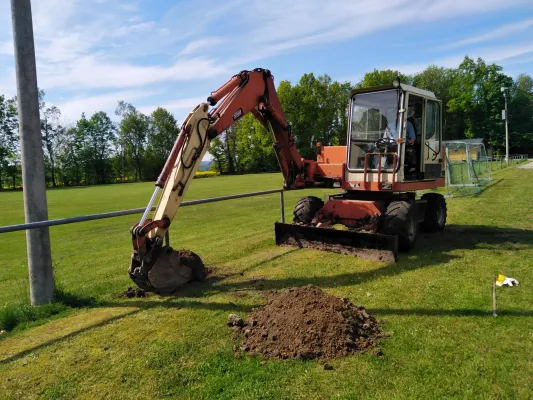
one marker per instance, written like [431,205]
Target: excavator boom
[155,267]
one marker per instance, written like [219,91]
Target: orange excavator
[393,149]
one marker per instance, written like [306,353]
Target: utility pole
[33,178]
[504,91]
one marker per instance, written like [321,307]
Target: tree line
[97,150]
[94,150]
[317,108]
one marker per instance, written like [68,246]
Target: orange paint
[331,170]
[349,212]
[396,187]
[332,155]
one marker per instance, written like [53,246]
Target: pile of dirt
[131,292]
[307,323]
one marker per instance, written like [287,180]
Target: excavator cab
[394,135]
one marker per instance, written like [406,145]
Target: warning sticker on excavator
[237,114]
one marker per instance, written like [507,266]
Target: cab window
[432,119]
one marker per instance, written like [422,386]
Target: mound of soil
[307,323]
[131,292]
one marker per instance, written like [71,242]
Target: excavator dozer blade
[364,245]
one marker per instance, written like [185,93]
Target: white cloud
[489,55]
[72,109]
[97,72]
[179,107]
[92,45]
[201,44]
[278,27]
[500,32]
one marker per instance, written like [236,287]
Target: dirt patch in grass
[307,323]
[133,292]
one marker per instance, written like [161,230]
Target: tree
[439,80]
[216,149]
[133,130]
[382,77]
[317,110]
[521,115]
[100,133]
[52,134]
[477,101]
[70,155]
[162,135]
[8,135]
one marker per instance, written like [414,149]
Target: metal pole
[506,131]
[494,314]
[112,214]
[33,178]
[282,206]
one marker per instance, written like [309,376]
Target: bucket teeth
[370,246]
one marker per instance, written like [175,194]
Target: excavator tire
[436,212]
[306,208]
[399,219]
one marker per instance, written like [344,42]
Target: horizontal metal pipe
[71,220]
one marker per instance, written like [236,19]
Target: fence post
[33,178]
[282,206]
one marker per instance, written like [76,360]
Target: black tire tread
[306,208]
[430,223]
[395,220]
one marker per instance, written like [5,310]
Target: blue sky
[93,53]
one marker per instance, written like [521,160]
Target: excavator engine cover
[164,270]
[371,246]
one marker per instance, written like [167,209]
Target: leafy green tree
[133,130]
[100,134]
[161,137]
[317,109]
[216,149]
[52,134]
[477,101]
[520,109]
[439,80]
[8,135]
[382,77]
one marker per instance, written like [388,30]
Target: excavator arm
[158,268]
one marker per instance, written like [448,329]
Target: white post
[33,178]
[504,91]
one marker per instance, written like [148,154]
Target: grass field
[435,302]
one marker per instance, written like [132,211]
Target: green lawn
[435,302]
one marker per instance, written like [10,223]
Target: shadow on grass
[487,188]
[431,250]
[13,315]
[23,353]
[463,312]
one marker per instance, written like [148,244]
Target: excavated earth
[307,323]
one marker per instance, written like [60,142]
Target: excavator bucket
[364,245]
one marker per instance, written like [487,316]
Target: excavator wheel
[436,212]
[306,208]
[400,220]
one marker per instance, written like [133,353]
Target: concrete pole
[33,178]
[506,132]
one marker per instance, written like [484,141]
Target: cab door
[432,135]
